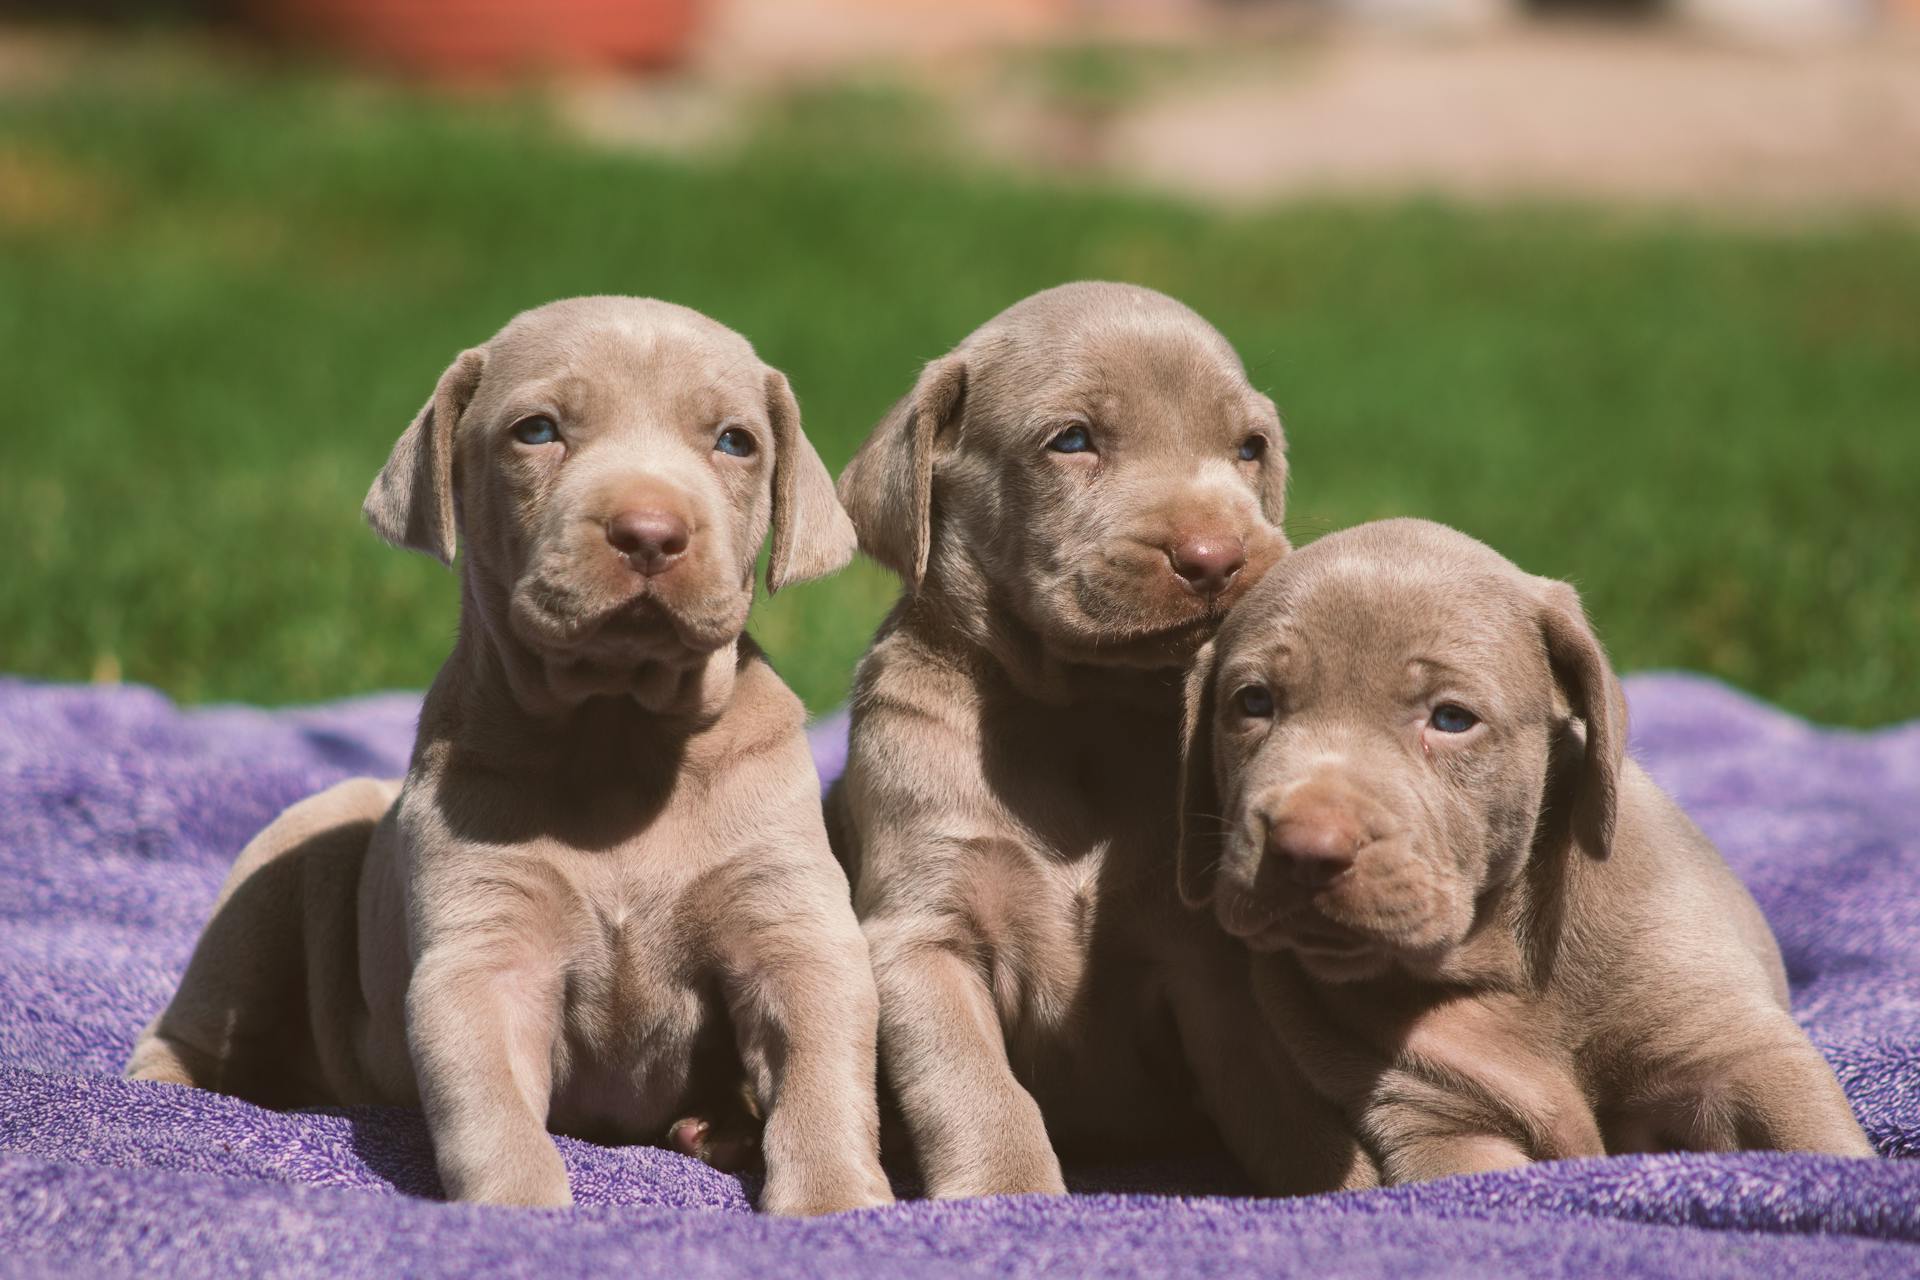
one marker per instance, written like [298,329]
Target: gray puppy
[605,884]
[1480,929]
[1073,498]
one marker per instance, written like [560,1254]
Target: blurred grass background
[224,291]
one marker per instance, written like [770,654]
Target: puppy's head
[611,466]
[1384,730]
[1095,459]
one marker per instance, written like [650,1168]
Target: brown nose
[1315,847]
[1206,562]
[650,540]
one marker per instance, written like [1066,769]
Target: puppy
[1479,928]
[1072,498]
[604,888]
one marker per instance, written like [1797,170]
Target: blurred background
[1629,288]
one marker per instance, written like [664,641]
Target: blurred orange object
[477,38]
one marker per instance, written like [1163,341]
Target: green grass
[221,296]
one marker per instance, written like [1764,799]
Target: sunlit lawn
[222,295]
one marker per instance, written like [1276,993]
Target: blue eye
[1253,448]
[735,442]
[1075,439]
[1255,702]
[538,429]
[1448,718]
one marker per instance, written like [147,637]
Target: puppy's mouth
[642,626]
[641,617]
[1327,947]
[1133,610]
[1325,950]
[1138,641]
[1308,934]
[1171,635]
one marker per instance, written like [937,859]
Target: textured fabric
[119,815]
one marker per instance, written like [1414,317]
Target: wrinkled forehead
[1150,369]
[1373,620]
[676,370]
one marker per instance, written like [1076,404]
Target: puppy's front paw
[1010,1173]
[158,1058]
[533,1179]
[818,1191]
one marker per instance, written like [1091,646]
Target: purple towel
[119,815]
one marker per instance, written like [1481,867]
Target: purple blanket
[119,815]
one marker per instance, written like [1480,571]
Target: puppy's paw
[1011,1174]
[522,1193]
[819,1191]
[534,1179]
[159,1060]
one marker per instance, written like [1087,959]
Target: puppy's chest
[638,992]
[1075,928]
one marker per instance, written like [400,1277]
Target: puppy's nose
[650,540]
[1316,847]
[1206,562]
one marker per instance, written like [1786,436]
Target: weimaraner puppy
[1072,498]
[1479,928]
[604,893]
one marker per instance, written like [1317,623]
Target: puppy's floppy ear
[1585,677]
[812,536]
[411,502]
[888,487]
[1273,469]
[1198,852]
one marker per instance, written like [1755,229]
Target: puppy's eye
[539,429]
[1075,439]
[1255,702]
[736,442]
[1449,718]
[1253,448]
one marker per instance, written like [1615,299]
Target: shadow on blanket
[119,815]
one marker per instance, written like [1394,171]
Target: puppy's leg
[1767,1089]
[975,1130]
[239,1022]
[1423,1130]
[482,1018]
[804,1013]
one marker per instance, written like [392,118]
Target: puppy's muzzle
[652,540]
[1305,863]
[1315,845]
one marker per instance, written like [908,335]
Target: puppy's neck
[494,693]
[1493,956]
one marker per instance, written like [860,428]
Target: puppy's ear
[1586,679]
[812,536]
[888,487]
[1199,850]
[1273,469]
[411,502]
